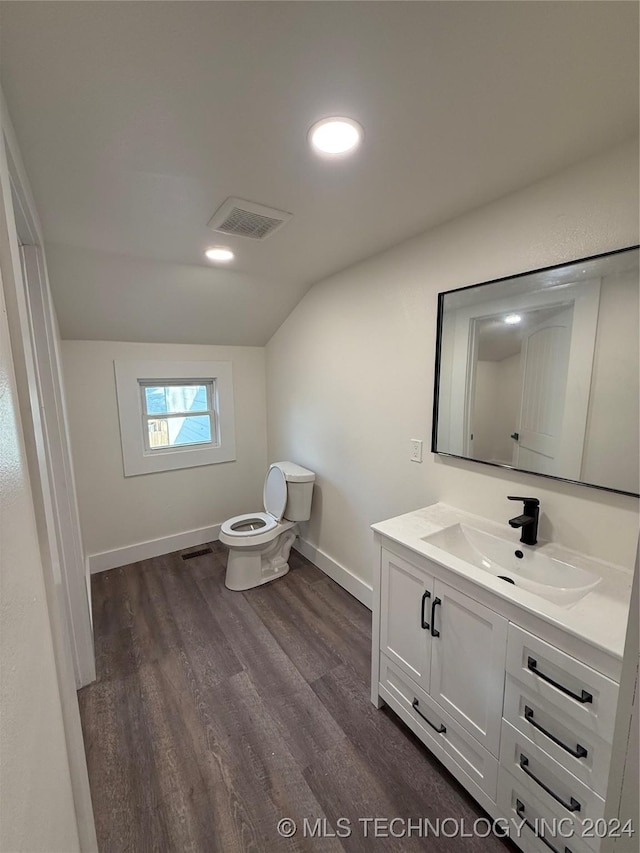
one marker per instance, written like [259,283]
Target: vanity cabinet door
[467,663]
[405,611]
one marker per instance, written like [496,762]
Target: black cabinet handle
[520,812]
[571,806]
[440,729]
[578,752]
[425,595]
[584,697]
[436,602]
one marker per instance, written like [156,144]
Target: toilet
[259,542]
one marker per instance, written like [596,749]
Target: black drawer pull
[532,665]
[440,729]
[423,622]
[578,752]
[571,806]
[520,812]
[436,602]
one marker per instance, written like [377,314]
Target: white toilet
[259,543]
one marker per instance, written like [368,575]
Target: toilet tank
[299,490]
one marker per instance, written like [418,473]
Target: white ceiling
[136,120]
[497,340]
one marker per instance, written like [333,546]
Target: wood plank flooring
[217,713]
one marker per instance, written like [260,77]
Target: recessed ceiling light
[335,136]
[220,254]
[512,319]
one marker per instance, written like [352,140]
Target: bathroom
[344,382]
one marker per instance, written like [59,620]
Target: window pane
[173,399]
[176,432]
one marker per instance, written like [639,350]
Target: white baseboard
[167,544]
[154,548]
[341,575]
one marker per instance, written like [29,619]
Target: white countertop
[600,618]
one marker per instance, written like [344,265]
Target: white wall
[509,378]
[116,512]
[37,811]
[612,450]
[350,372]
[484,410]
[495,415]
[46,802]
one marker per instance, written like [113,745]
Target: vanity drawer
[529,818]
[542,777]
[584,695]
[581,751]
[436,728]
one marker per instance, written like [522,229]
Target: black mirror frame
[436,389]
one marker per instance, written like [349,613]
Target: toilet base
[248,568]
[239,578]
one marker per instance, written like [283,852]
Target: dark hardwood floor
[216,714]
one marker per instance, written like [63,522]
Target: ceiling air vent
[247,219]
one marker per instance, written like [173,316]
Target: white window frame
[138,458]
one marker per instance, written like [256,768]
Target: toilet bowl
[259,542]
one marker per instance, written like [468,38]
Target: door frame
[585,297]
[69,564]
[14,217]
[54,477]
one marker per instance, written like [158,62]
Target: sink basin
[556,580]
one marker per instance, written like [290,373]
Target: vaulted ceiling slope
[136,120]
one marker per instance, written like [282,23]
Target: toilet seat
[249,524]
[256,523]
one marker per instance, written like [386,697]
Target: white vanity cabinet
[452,651]
[525,726]
[406,591]
[451,646]
[555,750]
[467,663]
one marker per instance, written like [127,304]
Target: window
[178,414]
[174,414]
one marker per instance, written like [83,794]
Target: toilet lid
[275,492]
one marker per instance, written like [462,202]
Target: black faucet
[528,521]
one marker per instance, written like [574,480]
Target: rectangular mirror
[540,372]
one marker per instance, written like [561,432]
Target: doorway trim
[51,433]
[17,213]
